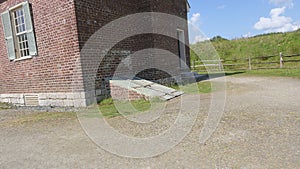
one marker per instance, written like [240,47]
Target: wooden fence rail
[249,63]
[295,55]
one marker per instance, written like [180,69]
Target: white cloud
[222,7]
[276,22]
[194,29]
[194,20]
[248,35]
[288,3]
[199,38]
[277,11]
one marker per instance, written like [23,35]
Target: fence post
[281,60]
[220,65]
[250,66]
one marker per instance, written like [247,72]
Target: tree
[218,38]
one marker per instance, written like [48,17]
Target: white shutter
[6,22]
[29,29]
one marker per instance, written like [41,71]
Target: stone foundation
[79,99]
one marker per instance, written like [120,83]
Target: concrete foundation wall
[78,99]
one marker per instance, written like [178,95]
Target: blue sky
[242,18]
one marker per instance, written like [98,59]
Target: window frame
[21,48]
[30,42]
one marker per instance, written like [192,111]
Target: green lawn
[260,45]
[295,73]
[202,87]
[108,109]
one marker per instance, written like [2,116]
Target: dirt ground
[260,128]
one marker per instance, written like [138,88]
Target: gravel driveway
[260,128]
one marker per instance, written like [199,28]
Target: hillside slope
[261,45]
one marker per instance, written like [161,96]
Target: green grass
[262,45]
[4,106]
[206,87]
[200,87]
[108,109]
[294,73]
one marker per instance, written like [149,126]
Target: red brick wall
[62,28]
[92,15]
[58,50]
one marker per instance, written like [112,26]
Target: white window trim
[23,58]
[16,6]
[21,33]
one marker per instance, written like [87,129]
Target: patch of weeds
[198,88]
[143,105]
[109,110]
[176,87]
[4,106]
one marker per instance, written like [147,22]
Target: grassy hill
[261,45]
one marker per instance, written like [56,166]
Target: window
[181,48]
[18,31]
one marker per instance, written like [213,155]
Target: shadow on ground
[201,77]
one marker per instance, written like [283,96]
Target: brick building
[41,44]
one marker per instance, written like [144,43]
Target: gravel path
[260,128]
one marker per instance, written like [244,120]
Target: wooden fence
[251,63]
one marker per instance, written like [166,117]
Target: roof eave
[188,5]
